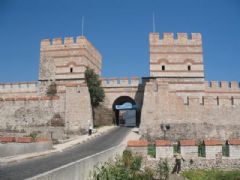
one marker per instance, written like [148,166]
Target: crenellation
[234,85]
[168,38]
[154,38]
[69,40]
[57,41]
[18,87]
[182,38]
[45,42]
[124,81]
[135,81]
[196,38]
[224,85]
[214,84]
[118,82]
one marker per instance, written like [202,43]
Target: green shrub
[163,169]
[126,167]
[33,135]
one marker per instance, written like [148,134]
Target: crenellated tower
[67,59]
[180,57]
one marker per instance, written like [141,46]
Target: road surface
[32,167]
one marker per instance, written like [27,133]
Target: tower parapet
[176,57]
[68,58]
[181,39]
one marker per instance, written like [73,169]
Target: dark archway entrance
[126,111]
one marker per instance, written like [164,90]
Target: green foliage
[52,89]
[163,169]
[211,175]
[94,86]
[152,150]
[33,135]
[127,167]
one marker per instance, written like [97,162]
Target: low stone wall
[11,149]
[138,147]
[200,163]
[164,149]
[80,169]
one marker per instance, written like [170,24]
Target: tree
[94,86]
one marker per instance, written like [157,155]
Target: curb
[21,157]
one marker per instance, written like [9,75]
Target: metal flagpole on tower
[82,24]
[154,22]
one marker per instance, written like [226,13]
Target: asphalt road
[32,167]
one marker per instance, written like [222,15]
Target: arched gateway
[127,111]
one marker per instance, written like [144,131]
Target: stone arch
[120,101]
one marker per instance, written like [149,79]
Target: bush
[163,169]
[126,167]
[33,135]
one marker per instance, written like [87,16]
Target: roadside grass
[211,175]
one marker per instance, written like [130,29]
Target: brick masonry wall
[200,163]
[164,152]
[22,114]
[234,151]
[68,59]
[194,117]
[189,152]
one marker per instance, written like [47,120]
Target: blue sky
[119,29]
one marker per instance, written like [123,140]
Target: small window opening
[71,70]
[163,68]
[189,68]
[218,101]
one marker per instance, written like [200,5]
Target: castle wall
[78,107]
[18,89]
[192,116]
[25,112]
[117,87]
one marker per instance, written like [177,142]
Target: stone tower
[68,59]
[181,57]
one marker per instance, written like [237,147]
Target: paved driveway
[32,167]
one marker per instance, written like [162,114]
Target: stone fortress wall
[26,105]
[178,95]
[175,94]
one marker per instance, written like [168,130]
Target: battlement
[116,82]
[212,100]
[179,39]
[69,42]
[18,87]
[222,86]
